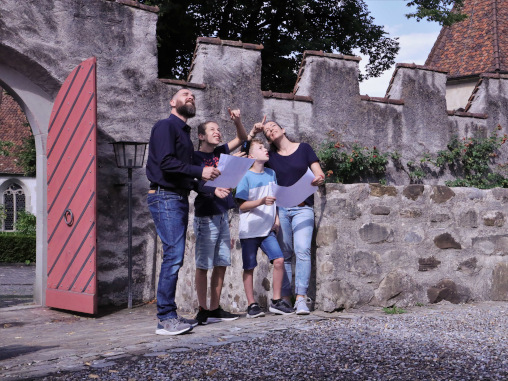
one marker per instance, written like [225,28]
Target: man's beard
[187,110]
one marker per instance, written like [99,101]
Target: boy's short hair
[257,141]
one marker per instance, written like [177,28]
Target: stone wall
[387,245]
[42,41]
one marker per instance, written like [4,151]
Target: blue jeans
[213,241]
[250,248]
[295,238]
[170,212]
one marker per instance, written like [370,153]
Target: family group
[174,169]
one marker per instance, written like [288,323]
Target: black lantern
[129,155]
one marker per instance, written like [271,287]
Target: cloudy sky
[416,39]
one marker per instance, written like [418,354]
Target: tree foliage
[285,28]
[445,12]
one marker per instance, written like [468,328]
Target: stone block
[326,235]
[327,267]
[500,194]
[439,217]
[413,191]
[448,290]
[446,241]
[500,282]
[395,289]
[469,266]
[493,218]
[363,263]
[441,194]
[379,210]
[375,233]
[469,219]
[378,190]
[411,213]
[336,296]
[352,211]
[491,245]
[426,264]
[266,284]
[413,237]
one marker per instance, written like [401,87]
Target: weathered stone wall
[41,41]
[405,245]
[387,245]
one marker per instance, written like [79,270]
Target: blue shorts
[250,247]
[213,242]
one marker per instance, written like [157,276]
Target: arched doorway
[34,89]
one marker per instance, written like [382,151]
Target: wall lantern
[129,155]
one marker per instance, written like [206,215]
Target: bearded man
[172,175]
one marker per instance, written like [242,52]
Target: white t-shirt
[256,222]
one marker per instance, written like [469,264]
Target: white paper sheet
[288,197]
[232,169]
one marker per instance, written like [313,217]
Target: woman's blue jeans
[295,238]
[170,212]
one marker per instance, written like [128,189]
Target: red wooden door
[71,171]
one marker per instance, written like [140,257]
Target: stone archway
[23,78]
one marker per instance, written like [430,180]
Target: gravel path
[451,343]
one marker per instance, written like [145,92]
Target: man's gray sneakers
[173,326]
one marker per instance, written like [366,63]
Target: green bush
[361,164]
[17,248]
[472,161]
[25,223]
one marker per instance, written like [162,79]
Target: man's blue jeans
[295,238]
[170,212]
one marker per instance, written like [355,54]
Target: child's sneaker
[172,327]
[301,307]
[202,316]
[253,311]
[219,314]
[281,307]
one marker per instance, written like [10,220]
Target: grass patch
[393,310]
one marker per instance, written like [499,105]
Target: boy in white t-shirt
[259,225]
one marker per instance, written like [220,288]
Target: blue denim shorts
[250,247]
[213,243]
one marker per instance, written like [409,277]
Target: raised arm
[241,134]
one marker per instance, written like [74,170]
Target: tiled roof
[13,128]
[476,45]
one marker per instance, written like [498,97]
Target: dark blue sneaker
[281,307]
[253,311]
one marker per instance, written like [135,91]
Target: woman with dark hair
[290,162]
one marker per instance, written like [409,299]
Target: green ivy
[359,163]
[472,160]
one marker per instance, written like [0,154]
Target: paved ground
[16,284]
[438,342]
[121,345]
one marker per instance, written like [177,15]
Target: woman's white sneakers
[301,307]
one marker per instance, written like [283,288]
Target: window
[14,202]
